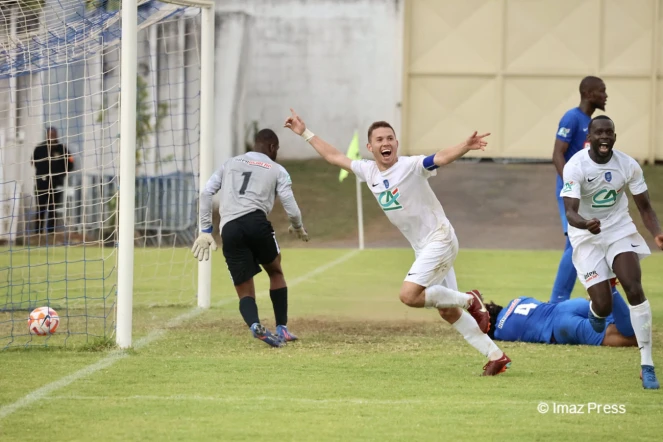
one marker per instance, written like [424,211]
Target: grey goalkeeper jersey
[248,183]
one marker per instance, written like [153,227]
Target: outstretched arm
[649,217]
[451,154]
[573,217]
[325,150]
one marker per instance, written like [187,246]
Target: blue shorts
[571,326]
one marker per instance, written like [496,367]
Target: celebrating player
[526,319]
[400,185]
[572,138]
[249,183]
[605,240]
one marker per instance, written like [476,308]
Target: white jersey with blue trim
[601,190]
[406,197]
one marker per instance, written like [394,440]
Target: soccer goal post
[128,148]
[106,113]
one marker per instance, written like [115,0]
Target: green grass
[366,368]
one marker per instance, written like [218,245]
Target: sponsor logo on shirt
[389,200]
[567,187]
[255,163]
[591,275]
[563,131]
[605,198]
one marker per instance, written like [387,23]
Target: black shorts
[248,241]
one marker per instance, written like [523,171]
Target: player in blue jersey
[572,138]
[529,320]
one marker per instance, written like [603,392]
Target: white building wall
[336,62]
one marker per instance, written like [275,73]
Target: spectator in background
[51,161]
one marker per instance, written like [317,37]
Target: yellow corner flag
[353,154]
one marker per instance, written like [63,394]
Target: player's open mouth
[385,153]
[603,148]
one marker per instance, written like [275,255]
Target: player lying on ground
[400,185]
[249,184]
[605,241]
[526,319]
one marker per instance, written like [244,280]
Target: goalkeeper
[249,184]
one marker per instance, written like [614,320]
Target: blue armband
[207,230]
[429,163]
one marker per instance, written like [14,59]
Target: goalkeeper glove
[299,231]
[202,245]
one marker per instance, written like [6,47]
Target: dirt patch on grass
[322,325]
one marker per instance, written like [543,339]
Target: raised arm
[451,154]
[649,217]
[328,152]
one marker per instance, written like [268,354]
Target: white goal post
[106,139]
[128,157]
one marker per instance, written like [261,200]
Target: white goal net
[61,107]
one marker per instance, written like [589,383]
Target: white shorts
[434,264]
[593,259]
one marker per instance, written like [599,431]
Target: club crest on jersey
[389,200]
[608,176]
[386,184]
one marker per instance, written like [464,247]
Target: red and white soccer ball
[43,321]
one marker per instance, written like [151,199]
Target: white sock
[439,296]
[468,327]
[641,320]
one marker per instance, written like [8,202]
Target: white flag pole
[360,214]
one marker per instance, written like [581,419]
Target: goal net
[61,107]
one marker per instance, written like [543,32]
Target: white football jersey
[601,191]
[406,198]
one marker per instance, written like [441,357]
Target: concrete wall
[336,62]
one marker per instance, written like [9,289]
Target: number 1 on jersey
[245,183]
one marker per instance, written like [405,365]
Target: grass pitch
[366,367]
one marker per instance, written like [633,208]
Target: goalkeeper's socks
[249,310]
[280,303]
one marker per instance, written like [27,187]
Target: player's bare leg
[627,268]
[441,297]
[414,295]
[246,292]
[278,292]
[450,303]
[600,305]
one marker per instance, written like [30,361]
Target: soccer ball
[43,321]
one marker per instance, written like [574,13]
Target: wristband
[307,135]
